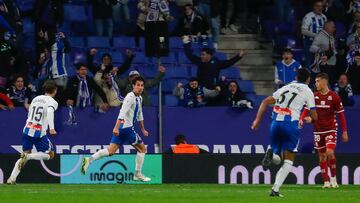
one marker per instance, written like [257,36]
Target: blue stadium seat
[183,59]
[98,42]
[148,71]
[117,57]
[77,41]
[232,72]
[175,42]
[246,86]
[75,13]
[28,26]
[169,84]
[340,29]
[169,59]
[176,72]
[154,99]
[123,42]
[140,58]
[193,71]
[221,55]
[171,100]
[23,5]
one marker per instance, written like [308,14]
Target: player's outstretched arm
[264,104]
[50,117]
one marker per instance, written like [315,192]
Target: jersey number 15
[37,113]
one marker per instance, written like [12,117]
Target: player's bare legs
[331,162]
[283,172]
[24,157]
[139,161]
[324,168]
[98,155]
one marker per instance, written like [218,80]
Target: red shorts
[322,141]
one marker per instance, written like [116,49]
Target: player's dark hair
[323,76]
[49,86]
[208,51]
[137,78]
[180,139]
[302,75]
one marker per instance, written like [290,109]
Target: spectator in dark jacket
[102,14]
[191,24]
[208,66]
[19,94]
[193,95]
[81,88]
[344,90]
[48,14]
[106,62]
[233,96]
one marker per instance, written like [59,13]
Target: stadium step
[257,65]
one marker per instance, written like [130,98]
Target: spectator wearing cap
[125,85]
[208,66]
[193,95]
[354,74]
[81,88]
[19,94]
[344,90]
[106,62]
[6,103]
[286,69]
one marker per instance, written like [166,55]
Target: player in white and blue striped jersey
[123,132]
[288,102]
[40,118]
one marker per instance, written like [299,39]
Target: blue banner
[216,129]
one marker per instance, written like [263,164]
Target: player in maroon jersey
[328,104]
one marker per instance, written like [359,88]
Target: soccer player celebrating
[328,104]
[123,132]
[40,118]
[284,131]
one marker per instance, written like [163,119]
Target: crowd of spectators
[104,85]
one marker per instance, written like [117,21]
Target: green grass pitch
[172,193]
